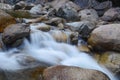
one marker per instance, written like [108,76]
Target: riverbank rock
[106,37]
[14,33]
[68,12]
[111,14]
[88,14]
[111,60]
[83,27]
[72,73]
[5,20]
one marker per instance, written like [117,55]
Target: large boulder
[72,73]
[112,14]
[5,20]
[68,11]
[106,37]
[14,33]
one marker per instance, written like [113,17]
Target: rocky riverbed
[90,26]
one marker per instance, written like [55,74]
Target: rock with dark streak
[14,33]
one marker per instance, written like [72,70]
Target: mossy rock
[19,13]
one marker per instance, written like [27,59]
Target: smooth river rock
[14,33]
[106,37]
[72,73]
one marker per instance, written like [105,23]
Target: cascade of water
[44,48]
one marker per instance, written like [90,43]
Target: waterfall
[44,48]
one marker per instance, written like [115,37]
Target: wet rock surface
[72,73]
[15,32]
[106,37]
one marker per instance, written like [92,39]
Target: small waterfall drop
[44,48]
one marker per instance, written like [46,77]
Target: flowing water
[44,48]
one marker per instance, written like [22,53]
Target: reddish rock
[5,20]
